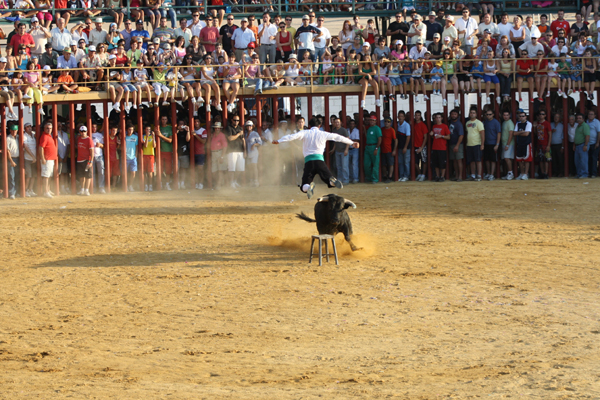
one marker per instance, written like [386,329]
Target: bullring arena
[459,292]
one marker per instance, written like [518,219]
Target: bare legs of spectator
[489,9]
[218,14]
[586,12]
[454,82]
[589,88]
[497,89]
[520,87]
[141,87]
[231,97]
[540,84]
[9,98]
[115,94]
[365,82]
[214,87]
[118,17]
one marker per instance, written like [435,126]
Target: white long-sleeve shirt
[314,142]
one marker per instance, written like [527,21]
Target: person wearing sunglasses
[226,32]
[467,29]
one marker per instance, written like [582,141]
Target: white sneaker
[444,103]
[525,177]
[491,178]
[32,193]
[27,193]
[456,103]
[218,107]
[405,179]
[150,189]
[145,188]
[181,185]
[200,100]
[200,186]
[362,104]
[417,98]
[48,195]
[41,111]
[510,176]
[168,186]
[27,97]
[117,107]
[130,188]
[80,192]
[233,185]
[499,100]
[425,98]
[102,191]
[87,192]
[518,178]
[378,103]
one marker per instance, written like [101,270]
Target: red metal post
[175,145]
[191,125]
[428,118]
[411,108]
[73,141]
[88,109]
[140,149]
[4,150]
[463,118]
[106,129]
[157,156]
[21,176]
[363,141]
[566,135]
[123,152]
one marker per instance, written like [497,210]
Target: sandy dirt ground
[470,290]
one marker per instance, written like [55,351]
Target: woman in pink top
[399,50]
[32,79]
[231,80]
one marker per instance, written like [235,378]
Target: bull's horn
[320,199]
[348,202]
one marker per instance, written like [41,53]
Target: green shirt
[581,132]
[159,76]
[373,135]
[507,127]
[167,131]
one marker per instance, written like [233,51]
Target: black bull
[331,217]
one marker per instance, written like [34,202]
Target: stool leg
[320,253]
[326,250]
[312,246]
[334,251]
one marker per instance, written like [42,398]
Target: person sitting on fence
[395,79]
[254,74]
[18,87]
[340,67]
[128,87]
[232,76]
[367,74]
[353,67]
[66,82]
[140,75]
[159,84]
[477,76]
[525,72]
[292,71]
[384,80]
[5,90]
[416,80]
[24,9]
[32,78]
[589,74]
[436,78]
[306,68]
[275,75]
[208,83]
[115,89]
[575,68]
[564,75]
[327,69]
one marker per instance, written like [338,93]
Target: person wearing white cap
[433,27]
[450,30]
[98,35]
[253,142]
[418,30]
[40,35]
[305,37]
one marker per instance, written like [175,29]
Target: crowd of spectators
[144,63]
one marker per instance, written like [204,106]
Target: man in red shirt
[388,150]
[440,134]
[525,72]
[560,23]
[543,134]
[48,157]
[209,35]
[20,38]
[85,158]
[420,146]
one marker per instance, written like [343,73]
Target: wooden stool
[321,239]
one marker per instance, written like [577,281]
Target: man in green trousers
[372,151]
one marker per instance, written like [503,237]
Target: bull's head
[336,205]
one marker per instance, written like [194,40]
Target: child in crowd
[327,69]
[47,79]
[384,80]
[395,79]
[552,75]
[33,81]
[66,81]
[564,75]
[159,85]
[141,82]
[427,67]
[405,75]
[18,88]
[128,87]
[353,76]
[477,74]
[173,77]
[306,68]
[436,78]
[575,69]
[416,79]
[340,66]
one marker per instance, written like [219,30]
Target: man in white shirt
[531,29]
[314,142]
[40,36]
[98,35]
[195,24]
[488,24]
[184,31]
[266,35]
[532,46]
[322,42]
[61,37]
[418,51]
[417,30]
[504,27]
[98,138]
[467,29]
[241,38]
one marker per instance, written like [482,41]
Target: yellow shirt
[473,135]
[148,147]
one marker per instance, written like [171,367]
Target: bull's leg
[347,231]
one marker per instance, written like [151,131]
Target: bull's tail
[305,217]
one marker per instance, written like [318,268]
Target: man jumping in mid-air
[314,141]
